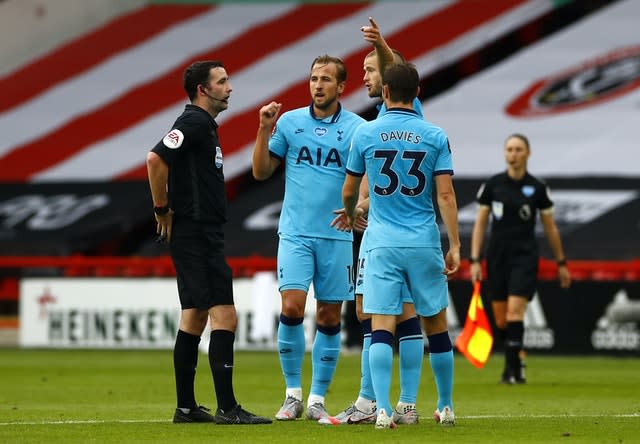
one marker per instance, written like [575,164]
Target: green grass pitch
[56,396]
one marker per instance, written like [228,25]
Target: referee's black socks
[513,345]
[185,361]
[221,361]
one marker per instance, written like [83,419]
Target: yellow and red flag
[476,340]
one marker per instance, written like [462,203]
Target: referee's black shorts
[204,277]
[512,269]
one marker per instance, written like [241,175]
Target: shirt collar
[403,110]
[196,108]
[330,119]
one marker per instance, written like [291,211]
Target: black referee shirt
[514,205]
[196,180]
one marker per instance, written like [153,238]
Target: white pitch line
[142,421]
[617,415]
[88,421]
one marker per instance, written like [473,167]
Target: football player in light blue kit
[313,143]
[404,156]
[408,331]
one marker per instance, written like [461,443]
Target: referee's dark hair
[403,81]
[198,74]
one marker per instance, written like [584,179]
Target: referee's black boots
[198,414]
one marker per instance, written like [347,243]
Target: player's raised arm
[373,35]
[263,164]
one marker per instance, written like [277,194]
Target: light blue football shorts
[362,255]
[388,269]
[325,262]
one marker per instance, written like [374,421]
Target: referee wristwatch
[161,210]
[474,259]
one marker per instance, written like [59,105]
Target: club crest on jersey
[497,208]
[218,159]
[528,190]
[173,139]
[320,131]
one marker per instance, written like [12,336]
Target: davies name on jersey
[407,136]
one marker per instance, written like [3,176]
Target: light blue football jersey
[315,153]
[401,153]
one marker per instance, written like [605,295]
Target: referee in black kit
[513,199]
[188,191]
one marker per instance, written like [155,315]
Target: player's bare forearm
[448,208]
[350,196]
[450,218]
[384,54]
[349,200]
[261,160]
[364,204]
[449,213]
[262,164]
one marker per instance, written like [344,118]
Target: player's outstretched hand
[371,33]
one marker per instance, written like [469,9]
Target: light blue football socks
[441,359]
[366,387]
[381,363]
[411,353]
[324,358]
[291,349]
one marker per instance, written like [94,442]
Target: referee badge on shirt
[173,139]
[497,208]
[528,190]
[218,159]
[525,212]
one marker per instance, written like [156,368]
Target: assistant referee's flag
[476,340]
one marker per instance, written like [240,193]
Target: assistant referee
[187,186]
[513,199]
